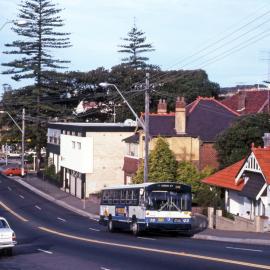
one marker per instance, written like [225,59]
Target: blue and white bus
[140,207]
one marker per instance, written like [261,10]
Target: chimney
[266,140]
[162,106]
[180,115]
[241,101]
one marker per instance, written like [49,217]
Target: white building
[246,184]
[88,156]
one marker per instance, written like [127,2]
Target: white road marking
[146,238]
[9,188]
[37,207]
[45,251]
[246,249]
[63,220]
[96,230]
[0,181]
[21,196]
[104,268]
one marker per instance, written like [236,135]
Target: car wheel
[135,228]
[111,227]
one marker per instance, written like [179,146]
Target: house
[246,183]
[249,101]
[190,131]
[88,156]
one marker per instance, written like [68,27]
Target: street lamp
[22,130]
[144,125]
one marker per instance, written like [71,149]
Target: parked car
[7,237]
[10,171]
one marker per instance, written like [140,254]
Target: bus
[149,206]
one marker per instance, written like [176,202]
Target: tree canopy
[162,164]
[135,46]
[33,60]
[235,142]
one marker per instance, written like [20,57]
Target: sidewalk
[52,193]
[91,210]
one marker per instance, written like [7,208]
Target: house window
[79,145]
[73,145]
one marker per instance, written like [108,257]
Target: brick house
[190,131]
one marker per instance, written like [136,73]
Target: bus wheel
[110,226]
[135,228]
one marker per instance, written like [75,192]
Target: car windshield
[3,224]
[169,201]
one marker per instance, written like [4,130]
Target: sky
[229,39]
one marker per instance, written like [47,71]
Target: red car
[13,171]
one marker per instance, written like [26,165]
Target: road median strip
[167,252]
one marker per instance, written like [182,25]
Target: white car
[7,237]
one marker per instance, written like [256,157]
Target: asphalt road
[51,237]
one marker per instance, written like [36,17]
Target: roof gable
[226,177]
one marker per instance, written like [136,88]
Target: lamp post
[22,130]
[144,125]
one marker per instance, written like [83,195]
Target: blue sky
[176,28]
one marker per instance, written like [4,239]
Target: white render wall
[80,160]
[108,159]
[239,205]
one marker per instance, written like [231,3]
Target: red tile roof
[255,101]
[226,177]
[263,157]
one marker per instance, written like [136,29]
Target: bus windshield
[159,200]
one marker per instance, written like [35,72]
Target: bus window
[110,201]
[169,201]
[105,197]
[122,196]
[129,197]
[116,196]
[135,196]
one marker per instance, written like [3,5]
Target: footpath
[90,208]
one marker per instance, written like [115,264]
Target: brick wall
[208,156]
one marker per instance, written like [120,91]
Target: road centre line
[9,188]
[12,212]
[61,219]
[45,251]
[21,196]
[160,251]
[146,238]
[39,208]
[246,249]
[104,268]
[96,230]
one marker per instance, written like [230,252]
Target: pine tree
[135,46]
[33,53]
[162,164]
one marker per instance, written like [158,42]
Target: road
[51,237]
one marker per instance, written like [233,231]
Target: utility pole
[146,129]
[23,135]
